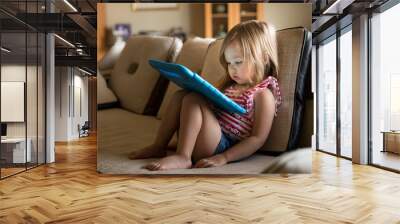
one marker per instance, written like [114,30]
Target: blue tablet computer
[189,80]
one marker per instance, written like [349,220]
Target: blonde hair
[257,40]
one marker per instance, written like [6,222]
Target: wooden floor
[71,191]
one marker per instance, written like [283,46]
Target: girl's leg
[199,135]
[169,124]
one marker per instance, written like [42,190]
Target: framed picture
[153,6]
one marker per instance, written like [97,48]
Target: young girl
[208,136]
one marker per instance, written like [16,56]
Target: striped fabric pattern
[239,126]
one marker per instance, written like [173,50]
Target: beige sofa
[130,119]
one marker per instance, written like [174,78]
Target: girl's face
[239,70]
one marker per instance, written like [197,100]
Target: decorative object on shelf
[221,31]
[229,14]
[177,32]
[122,31]
[220,8]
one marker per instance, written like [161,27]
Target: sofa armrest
[107,63]
[106,73]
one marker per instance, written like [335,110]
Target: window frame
[27,29]
[378,10]
[347,27]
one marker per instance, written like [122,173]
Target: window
[385,88]
[22,77]
[326,103]
[334,59]
[346,93]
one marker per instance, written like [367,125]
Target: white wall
[285,15]
[14,73]
[61,103]
[69,82]
[84,85]
[17,73]
[33,126]
[80,94]
[12,101]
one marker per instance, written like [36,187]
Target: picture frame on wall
[153,6]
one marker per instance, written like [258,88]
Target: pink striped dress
[238,126]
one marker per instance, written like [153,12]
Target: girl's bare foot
[170,162]
[148,152]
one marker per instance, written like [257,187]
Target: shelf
[248,14]
[229,16]
[220,15]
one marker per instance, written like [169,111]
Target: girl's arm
[263,117]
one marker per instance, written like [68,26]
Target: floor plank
[71,191]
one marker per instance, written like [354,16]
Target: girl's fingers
[204,163]
[201,163]
[210,164]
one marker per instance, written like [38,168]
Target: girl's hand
[213,161]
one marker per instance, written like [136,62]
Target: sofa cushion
[191,56]
[121,132]
[105,97]
[212,70]
[136,84]
[294,49]
[109,59]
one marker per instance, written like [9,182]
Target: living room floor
[71,191]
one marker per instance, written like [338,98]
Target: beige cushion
[133,79]
[212,70]
[109,59]
[290,44]
[122,131]
[104,94]
[191,56]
